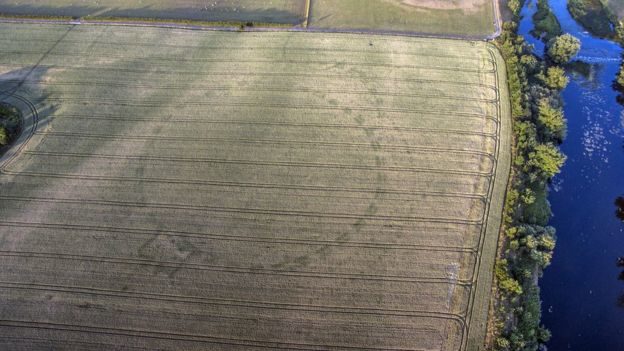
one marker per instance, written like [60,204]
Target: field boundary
[480,302]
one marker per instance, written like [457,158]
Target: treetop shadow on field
[224,14]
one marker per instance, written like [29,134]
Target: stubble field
[236,191]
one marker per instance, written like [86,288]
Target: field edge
[480,306]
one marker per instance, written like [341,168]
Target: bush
[561,49]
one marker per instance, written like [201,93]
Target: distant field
[237,191]
[277,11]
[464,17]
[617,6]
[461,17]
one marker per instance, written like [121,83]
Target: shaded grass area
[324,182]
[290,12]
[617,7]
[397,16]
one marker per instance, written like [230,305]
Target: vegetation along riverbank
[539,127]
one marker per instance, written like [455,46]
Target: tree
[561,49]
[546,159]
[555,78]
[4,136]
[552,121]
[620,77]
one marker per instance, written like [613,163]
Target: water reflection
[619,211]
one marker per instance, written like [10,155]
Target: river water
[581,290]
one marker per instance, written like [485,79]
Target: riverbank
[527,242]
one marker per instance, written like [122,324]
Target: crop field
[274,11]
[188,190]
[463,17]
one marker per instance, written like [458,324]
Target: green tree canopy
[561,49]
[546,159]
[551,120]
[555,78]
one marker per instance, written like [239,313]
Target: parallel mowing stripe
[262,163]
[305,143]
[289,124]
[256,211]
[82,229]
[239,73]
[294,62]
[228,269]
[218,301]
[152,334]
[199,88]
[260,104]
[302,187]
[66,343]
[368,50]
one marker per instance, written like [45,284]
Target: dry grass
[236,191]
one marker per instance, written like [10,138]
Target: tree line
[539,127]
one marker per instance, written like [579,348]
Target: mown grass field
[185,190]
[274,11]
[475,19]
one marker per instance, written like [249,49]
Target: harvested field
[273,11]
[185,190]
[463,17]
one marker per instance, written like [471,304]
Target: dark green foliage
[4,136]
[539,211]
[546,25]
[594,17]
[9,124]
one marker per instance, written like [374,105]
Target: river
[582,292]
